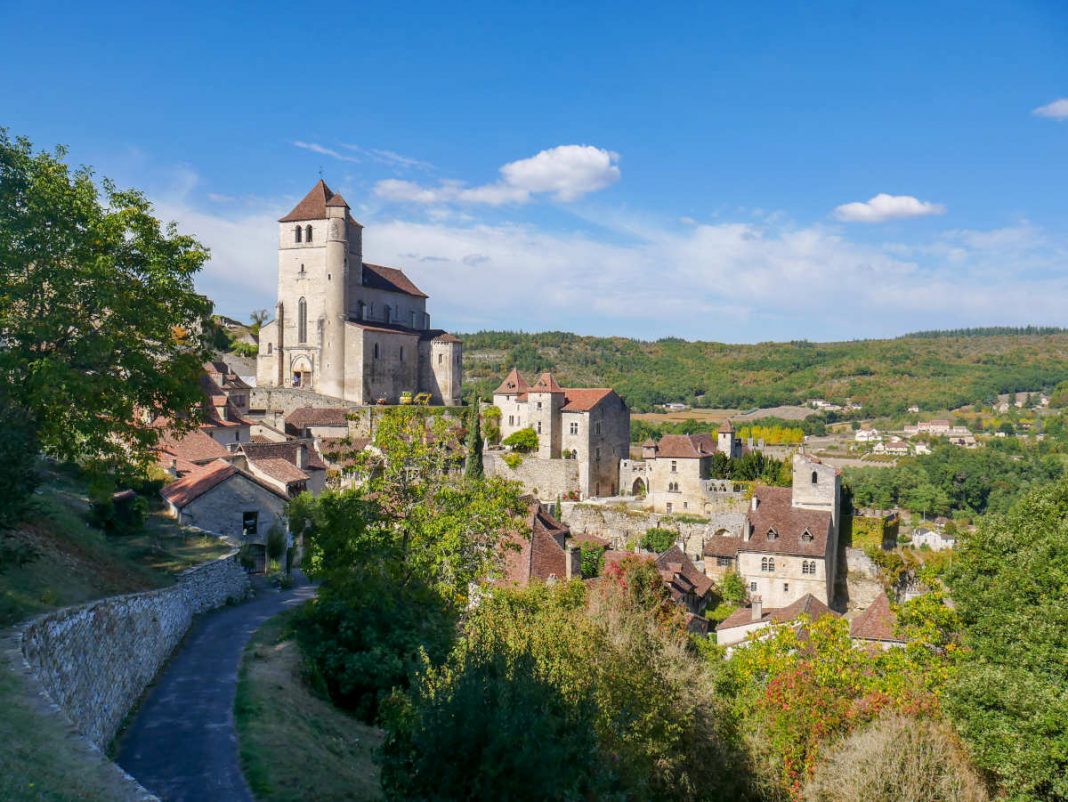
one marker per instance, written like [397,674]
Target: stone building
[583,433]
[737,627]
[789,542]
[675,473]
[345,328]
[225,500]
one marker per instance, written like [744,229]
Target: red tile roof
[288,451]
[196,484]
[389,279]
[194,446]
[876,623]
[726,427]
[337,200]
[303,417]
[685,446]
[583,399]
[513,384]
[279,469]
[807,605]
[546,384]
[445,337]
[675,561]
[775,512]
[312,207]
[540,555]
[588,539]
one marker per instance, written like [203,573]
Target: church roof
[313,206]
[389,279]
[513,384]
[726,427]
[583,399]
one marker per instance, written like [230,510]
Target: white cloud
[325,151]
[1057,110]
[567,172]
[389,157]
[885,207]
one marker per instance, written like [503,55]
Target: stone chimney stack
[754,503]
[573,563]
[758,608]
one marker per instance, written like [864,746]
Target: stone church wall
[95,660]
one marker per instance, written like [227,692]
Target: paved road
[182,744]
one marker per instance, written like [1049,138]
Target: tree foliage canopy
[97,308]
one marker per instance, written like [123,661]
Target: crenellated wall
[95,660]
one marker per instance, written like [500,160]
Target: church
[347,329]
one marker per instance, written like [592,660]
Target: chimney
[754,503]
[573,562]
[758,608]
[174,467]
[302,455]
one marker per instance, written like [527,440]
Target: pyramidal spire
[313,207]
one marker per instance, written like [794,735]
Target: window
[539,406]
[539,427]
[308,234]
[724,562]
[806,537]
[376,350]
[815,478]
[270,348]
[237,436]
[402,353]
[297,233]
[386,312]
[785,587]
[597,427]
[574,427]
[764,564]
[302,269]
[771,563]
[669,506]
[752,587]
[773,535]
[250,522]
[302,321]
[413,318]
[441,358]
[511,420]
[597,455]
[361,310]
[674,466]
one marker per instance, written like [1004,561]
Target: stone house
[675,473]
[688,587]
[932,538]
[583,433]
[789,542]
[225,500]
[225,406]
[876,625]
[546,555]
[346,328]
[290,467]
[737,627]
[318,422]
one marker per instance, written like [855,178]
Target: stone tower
[726,442]
[816,486]
[545,399]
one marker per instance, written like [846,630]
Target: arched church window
[386,312]
[308,234]
[302,321]
[361,310]
[771,563]
[297,233]
[376,350]
[815,478]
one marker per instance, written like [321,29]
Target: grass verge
[295,745]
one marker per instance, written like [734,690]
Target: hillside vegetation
[886,376]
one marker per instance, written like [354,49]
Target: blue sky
[705,170]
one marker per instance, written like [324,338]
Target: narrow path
[182,745]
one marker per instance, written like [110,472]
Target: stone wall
[547,479]
[863,579]
[95,660]
[621,526]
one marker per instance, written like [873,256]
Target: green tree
[18,455]
[1009,582]
[99,316]
[658,539]
[522,440]
[473,460]
[258,318]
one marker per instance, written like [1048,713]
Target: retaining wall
[95,660]
[620,526]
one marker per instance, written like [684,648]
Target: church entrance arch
[638,488]
[301,371]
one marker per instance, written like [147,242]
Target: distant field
[717,416]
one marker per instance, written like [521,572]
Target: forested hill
[886,376]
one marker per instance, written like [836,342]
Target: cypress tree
[473,461]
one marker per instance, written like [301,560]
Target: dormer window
[806,537]
[773,535]
[297,233]
[308,234]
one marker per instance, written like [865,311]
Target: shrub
[592,560]
[658,539]
[897,758]
[276,543]
[524,440]
[513,461]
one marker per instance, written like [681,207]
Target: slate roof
[389,279]
[303,417]
[807,605]
[876,623]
